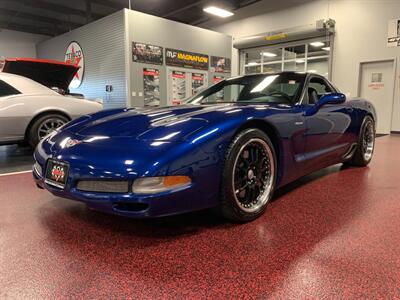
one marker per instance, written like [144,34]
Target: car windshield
[267,88]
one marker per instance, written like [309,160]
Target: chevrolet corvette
[228,147]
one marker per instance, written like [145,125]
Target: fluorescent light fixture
[252,63]
[326,48]
[263,84]
[300,61]
[216,11]
[269,54]
[317,44]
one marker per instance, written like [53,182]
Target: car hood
[50,73]
[166,124]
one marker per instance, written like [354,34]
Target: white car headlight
[153,185]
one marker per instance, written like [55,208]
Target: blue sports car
[229,147]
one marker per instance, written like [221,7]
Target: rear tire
[365,145]
[249,176]
[43,126]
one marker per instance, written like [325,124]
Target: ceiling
[54,17]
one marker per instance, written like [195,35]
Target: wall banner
[74,56]
[393,33]
[183,59]
[198,82]
[178,87]
[151,87]
[220,64]
[147,54]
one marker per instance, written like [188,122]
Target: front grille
[103,186]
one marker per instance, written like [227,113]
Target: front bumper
[95,163]
[131,205]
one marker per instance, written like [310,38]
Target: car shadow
[308,179]
[163,227]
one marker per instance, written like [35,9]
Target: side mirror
[333,98]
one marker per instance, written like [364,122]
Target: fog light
[153,185]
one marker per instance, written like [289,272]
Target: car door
[326,127]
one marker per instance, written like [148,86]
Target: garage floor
[334,234]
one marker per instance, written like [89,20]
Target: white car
[29,110]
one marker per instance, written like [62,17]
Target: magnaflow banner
[183,59]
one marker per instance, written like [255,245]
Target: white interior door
[376,85]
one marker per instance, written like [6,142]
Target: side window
[317,87]
[7,90]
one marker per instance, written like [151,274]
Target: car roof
[25,85]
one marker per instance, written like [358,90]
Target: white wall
[153,30]
[19,44]
[103,49]
[361,33]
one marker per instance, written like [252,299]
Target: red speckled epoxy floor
[335,234]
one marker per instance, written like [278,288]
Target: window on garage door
[312,55]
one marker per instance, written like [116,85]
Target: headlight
[153,185]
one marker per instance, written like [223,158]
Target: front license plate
[56,173]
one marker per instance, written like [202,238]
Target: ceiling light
[218,11]
[300,61]
[317,44]
[326,48]
[252,63]
[269,54]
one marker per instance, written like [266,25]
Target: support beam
[111,4]
[25,28]
[88,11]
[174,12]
[58,8]
[42,19]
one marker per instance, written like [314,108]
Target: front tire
[365,145]
[43,126]
[249,176]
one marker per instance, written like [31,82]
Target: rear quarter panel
[362,108]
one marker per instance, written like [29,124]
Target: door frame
[392,60]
